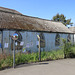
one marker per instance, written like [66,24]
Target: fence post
[39,48]
[13,53]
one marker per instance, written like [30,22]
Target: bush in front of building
[68,49]
[22,58]
[5,61]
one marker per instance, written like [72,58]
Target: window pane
[57,40]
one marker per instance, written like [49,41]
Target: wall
[72,38]
[0,41]
[30,41]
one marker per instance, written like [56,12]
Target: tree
[62,18]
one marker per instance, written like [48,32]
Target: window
[42,40]
[57,40]
[69,38]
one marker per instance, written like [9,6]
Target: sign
[6,45]
[22,43]
[15,36]
[16,43]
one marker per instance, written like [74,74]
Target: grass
[22,58]
[52,55]
[5,61]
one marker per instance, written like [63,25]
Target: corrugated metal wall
[30,41]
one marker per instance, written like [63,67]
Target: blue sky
[42,8]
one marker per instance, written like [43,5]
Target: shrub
[68,52]
[21,58]
[5,61]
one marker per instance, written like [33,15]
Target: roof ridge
[9,10]
[23,14]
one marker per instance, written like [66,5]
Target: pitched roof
[11,19]
[72,29]
[2,9]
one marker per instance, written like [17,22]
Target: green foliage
[21,58]
[62,18]
[26,58]
[52,55]
[68,51]
[72,53]
[5,61]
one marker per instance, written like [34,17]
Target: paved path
[58,67]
